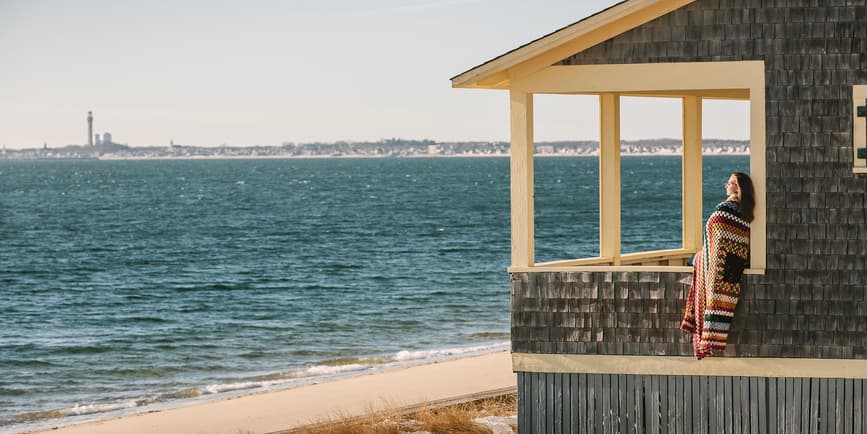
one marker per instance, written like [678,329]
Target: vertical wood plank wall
[604,403]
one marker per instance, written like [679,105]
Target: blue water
[134,285]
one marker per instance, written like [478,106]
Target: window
[650,187]
[566,190]
[688,82]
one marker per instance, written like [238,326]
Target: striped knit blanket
[717,271]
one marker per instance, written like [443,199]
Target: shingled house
[596,341]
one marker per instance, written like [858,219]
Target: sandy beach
[286,409]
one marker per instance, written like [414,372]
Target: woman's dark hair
[748,195]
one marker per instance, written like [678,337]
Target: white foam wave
[330,371]
[404,356]
[232,387]
[80,409]
[318,370]
[282,379]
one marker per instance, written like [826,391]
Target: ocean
[131,286]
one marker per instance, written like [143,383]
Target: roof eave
[623,16]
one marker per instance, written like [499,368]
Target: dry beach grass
[456,418]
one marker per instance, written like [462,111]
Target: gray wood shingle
[810,302]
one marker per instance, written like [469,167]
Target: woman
[718,267]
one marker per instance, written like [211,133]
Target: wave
[342,361]
[77,410]
[212,287]
[107,407]
[325,370]
[253,355]
[81,349]
[145,319]
[139,372]
[232,387]
[34,416]
[448,353]
[182,394]
[332,369]
[27,363]
[8,391]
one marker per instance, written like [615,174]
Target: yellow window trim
[690,80]
[615,269]
[859,129]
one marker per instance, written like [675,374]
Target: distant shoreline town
[382,149]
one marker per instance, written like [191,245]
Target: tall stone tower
[89,128]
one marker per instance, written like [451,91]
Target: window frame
[691,81]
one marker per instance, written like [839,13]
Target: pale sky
[261,72]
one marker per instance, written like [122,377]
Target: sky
[264,72]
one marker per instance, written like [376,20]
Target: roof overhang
[574,38]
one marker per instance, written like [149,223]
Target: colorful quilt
[717,271]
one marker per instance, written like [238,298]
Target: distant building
[90,128]
[106,139]
[96,139]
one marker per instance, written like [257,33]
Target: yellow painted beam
[641,77]
[691,181]
[521,170]
[758,173]
[601,268]
[721,94]
[679,365]
[628,259]
[497,81]
[576,262]
[715,94]
[609,176]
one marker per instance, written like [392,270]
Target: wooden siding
[814,52]
[602,403]
[638,313]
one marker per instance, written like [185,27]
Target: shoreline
[372,157]
[346,157]
[284,409]
[323,371]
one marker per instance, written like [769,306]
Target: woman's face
[732,188]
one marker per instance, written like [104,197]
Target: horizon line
[350,142]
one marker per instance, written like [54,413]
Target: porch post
[609,177]
[758,228]
[691,178]
[521,170]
